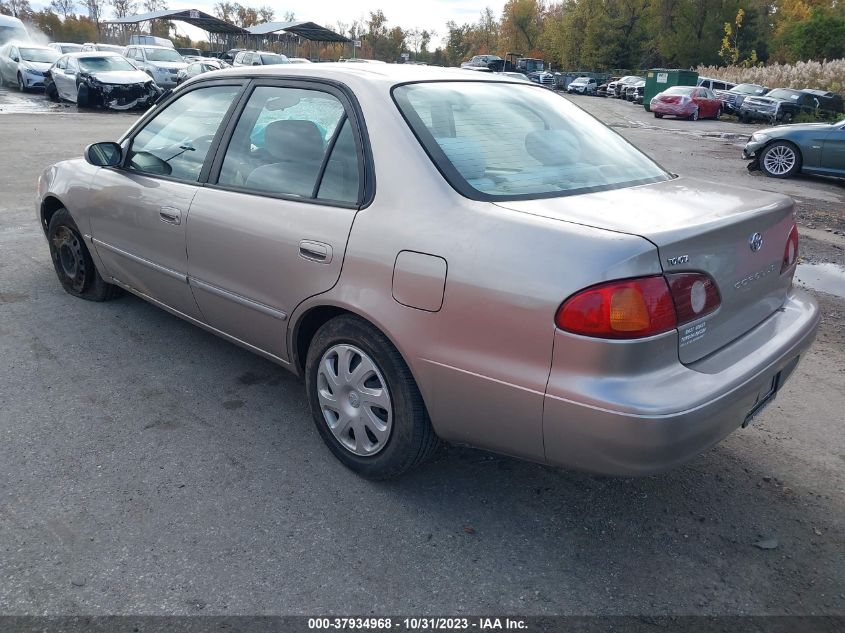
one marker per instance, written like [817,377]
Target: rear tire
[341,408]
[781,159]
[657,115]
[72,261]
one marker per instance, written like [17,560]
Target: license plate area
[763,400]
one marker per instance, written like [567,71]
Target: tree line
[570,34]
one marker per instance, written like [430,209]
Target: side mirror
[105,154]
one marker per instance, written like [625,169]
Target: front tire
[694,115]
[781,159]
[83,100]
[365,403]
[21,83]
[72,261]
[52,92]
[718,114]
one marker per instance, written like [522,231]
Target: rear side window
[506,141]
[282,142]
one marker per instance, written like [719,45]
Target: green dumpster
[659,79]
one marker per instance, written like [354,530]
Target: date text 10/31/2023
[417,624]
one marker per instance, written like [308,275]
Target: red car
[687,102]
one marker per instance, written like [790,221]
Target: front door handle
[315,251]
[171,215]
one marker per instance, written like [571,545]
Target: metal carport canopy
[306,30]
[193,17]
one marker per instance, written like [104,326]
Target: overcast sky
[425,14]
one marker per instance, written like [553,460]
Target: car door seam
[141,260]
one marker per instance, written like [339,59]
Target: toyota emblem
[755,242]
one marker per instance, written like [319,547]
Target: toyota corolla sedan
[444,255]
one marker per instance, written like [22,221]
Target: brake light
[790,251]
[635,308]
[631,308]
[694,294]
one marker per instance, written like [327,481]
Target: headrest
[553,147]
[466,155]
[294,141]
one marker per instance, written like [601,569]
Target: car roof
[31,45]
[166,48]
[361,75]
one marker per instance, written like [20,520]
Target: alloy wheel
[779,160]
[67,250]
[354,399]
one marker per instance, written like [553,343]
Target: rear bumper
[667,413]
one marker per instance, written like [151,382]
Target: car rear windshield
[748,89]
[104,64]
[44,55]
[162,55]
[273,59]
[679,90]
[508,141]
[782,93]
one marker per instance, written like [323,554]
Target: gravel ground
[147,467]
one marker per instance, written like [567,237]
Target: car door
[139,211]
[70,73]
[57,74]
[270,228]
[5,61]
[833,151]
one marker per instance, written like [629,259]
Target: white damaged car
[100,79]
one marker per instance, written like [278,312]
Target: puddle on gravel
[829,278]
[29,103]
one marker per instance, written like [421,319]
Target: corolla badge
[755,242]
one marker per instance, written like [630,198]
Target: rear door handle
[315,251]
[171,215]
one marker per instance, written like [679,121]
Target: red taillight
[631,308]
[695,294]
[790,252]
[635,308]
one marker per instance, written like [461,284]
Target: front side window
[176,141]
[281,142]
[507,141]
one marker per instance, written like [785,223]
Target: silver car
[24,65]
[444,255]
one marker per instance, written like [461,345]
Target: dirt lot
[149,467]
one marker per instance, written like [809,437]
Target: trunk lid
[698,226]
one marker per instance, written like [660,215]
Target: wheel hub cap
[67,251]
[354,400]
[779,160]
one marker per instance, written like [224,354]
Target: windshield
[506,141]
[162,55]
[273,59]
[781,93]
[582,80]
[43,55]
[71,48]
[104,64]
[749,89]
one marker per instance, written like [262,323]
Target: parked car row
[104,75]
